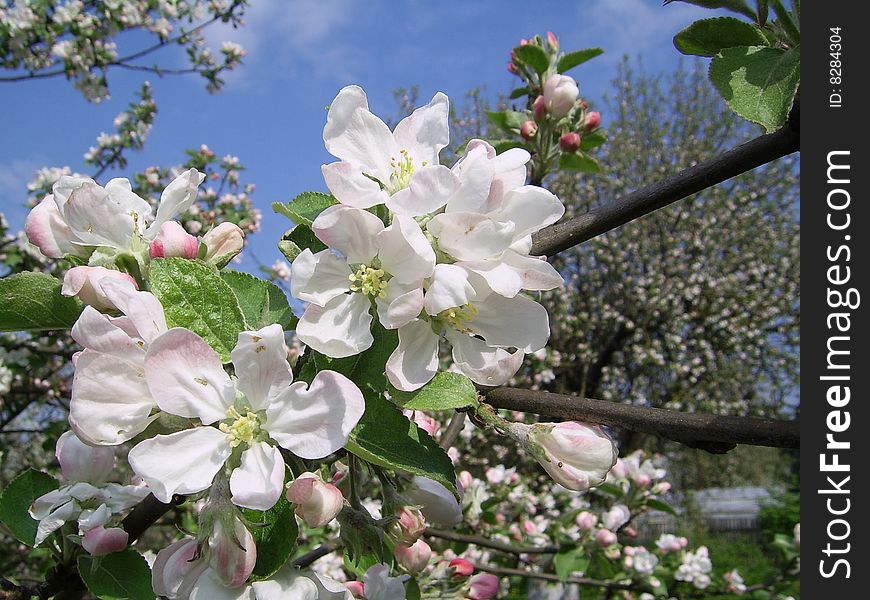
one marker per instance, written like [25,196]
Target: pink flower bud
[593,121]
[560,92]
[662,487]
[586,520]
[82,463]
[409,526]
[619,469]
[530,528]
[223,243]
[176,569]
[683,542]
[528,130]
[100,541]
[484,586]
[85,282]
[461,567]
[605,537]
[539,108]
[356,588]
[630,532]
[576,455]
[423,421]
[642,480]
[465,479]
[173,240]
[570,142]
[232,552]
[524,42]
[317,502]
[552,41]
[413,558]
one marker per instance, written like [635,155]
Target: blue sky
[300,53]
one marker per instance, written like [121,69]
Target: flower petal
[288,582]
[517,322]
[55,520]
[210,587]
[143,309]
[260,361]
[350,187]
[258,482]
[319,278]
[47,230]
[349,230]
[402,303]
[316,421]
[425,131]
[530,208]
[429,189]
[186,378]
[471,236]
[414,362]
[178,196]
[355,135]
[404,251]
[449,288]
[475,171]
[515,272]
[340,328]
[481,363]
[101,333]
[180,463]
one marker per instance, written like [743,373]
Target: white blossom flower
[380,586]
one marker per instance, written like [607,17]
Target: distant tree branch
[487,543]
[611,585]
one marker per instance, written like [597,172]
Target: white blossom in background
[695,568]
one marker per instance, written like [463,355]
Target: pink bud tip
[100,541]
[528,130]
[593,121]
[484,586]
[461,567]
[570,142]
[539,108]
[356,588]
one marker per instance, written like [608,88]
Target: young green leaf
[297,239]
[32,302]
[17,498]
[578,57]
[592,140]
[709,36]
[305,207]
[195,297]
[519,93]
[446,391]
[275,532]
[570,560]
[737,6]
[579,162]
[661,506]
[508,120]
[262,302]
[534,56]
[124,575]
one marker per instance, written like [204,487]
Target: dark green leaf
[519,93]
[534,56]
[611,489]
[737,6]
[446,391]
[367,368]
[508,120]
[32,301]
[275,532]
[412,589]
[592,140]
[709,36]
[17,498]
[569,560]
[578,57]
[579,162]
[123,575]
[262,302]
[297,239]
[305,207]
[195,297]
[758,83]
[505,145]
[661,506]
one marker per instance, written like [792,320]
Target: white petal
[355,135]
[288,583]
[178,196]
[429,189]
[123,497]
[101,333]
[348,184]
[414,362]
[98,219]
[328,588]
[401,304]
[46,229]
[55,520]
[449,288]
[110,401]
[404,251]
[515,272]
[475,172]
[517,322]
[425,131]
[319,278]
[142,308]
[210,587]
[315,422]
[349,230]
[484,364]
[64,186]
[180,463]
[471,236]
[340,328]
[186,378]
[260,362]
[530,209]
[259,480]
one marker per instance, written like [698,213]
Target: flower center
[459,317]
[403,168]
[244,428]
[369,281]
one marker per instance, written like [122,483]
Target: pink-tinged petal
[355,135]
[510,173]
[110,401]
[348,184]
[340,328]
[104,334]
[404,251]
[471,236]
[314,422]
[81,462]
[143,309]
[47,230]
[414,362]
[515,272]
[258,482]
[186,377]
[178,196]
[180,463]
[210,587]
[319,278]
[173,240]
[260,362]
[84,282]
[351,231]
[288,582]
[317,502]
[517,322]
[484,364]
[64,186]
[100,541]
[449,288]
[475,171]
[96,218]
[429,189]
[530,209]
[401,305]
[175,564]
[425,131]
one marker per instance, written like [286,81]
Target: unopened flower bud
[605,537]
[512,68]
[85,282]
[576,455]
[100,541]
[662,487]
[176,568]
[437,503]
[630,532]
[642,480]
[560,92]
[528,130]
[80,462]
[586,520]
[460,567]
[484,586]
[465,479]
[552,41]
[570,142]
[616,517]
[409,526]
[423,421]
[223,243]
[593,121]
[317,502]
[173,241]
[539,108]
[232,552]
[357,589]
[413,558]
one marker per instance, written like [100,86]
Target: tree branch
[612,585]
[714,433]
[146,513]
[485,543]
[319,552]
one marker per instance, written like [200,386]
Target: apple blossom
[616,517]
[408,526]
[80,462]
[252,412]
[223,243]
[437,503]
[483,586]
[232,552]
[593,121]
[570,142]
[173,240]
[380,586]
[560,92]
[317,502]
[605,537]
[586,520]
[413,558]
[100,541]
[84,282]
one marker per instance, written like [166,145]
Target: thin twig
[485,543]
[318,553]
[457,422]
[550,577]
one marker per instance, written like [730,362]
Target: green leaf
[661,506]
[17,498]
[534,56]
[123,575]
[758,83]
[297,239]
[367,368]
[592,140]
[519,93]
[578,57]
[505,145]
[611,489]
[305,207]
[275,532]
[579,162]
[262,302]
[195,297]
[709,36]
[385,437]
[569,560]
[32,301]
[736,6]
[446,391]
[412,589]
[508,120]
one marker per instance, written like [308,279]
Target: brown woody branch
[612,585]
[486,543]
